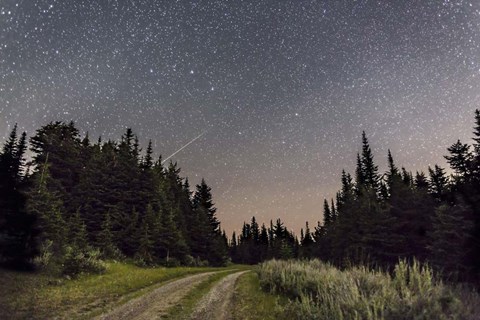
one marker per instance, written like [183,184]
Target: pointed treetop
[327,213]
[369,169]
[476,132]
[148,160]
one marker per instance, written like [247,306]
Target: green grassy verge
[39,296]
[251,303]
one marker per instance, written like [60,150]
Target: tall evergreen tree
[449,237]
[105,239]
[327,214]
[369,169]
[60,143]
[204,207]
[18,232]
[460,160]
[476,133]
[47,206]
[438,183]
[77,232]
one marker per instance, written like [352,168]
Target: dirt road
[216,305]
[155,304]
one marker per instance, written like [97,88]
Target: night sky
[281,89]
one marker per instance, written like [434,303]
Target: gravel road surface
[155,304]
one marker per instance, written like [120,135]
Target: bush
[82,261]
[320,291]
[44,258]
[172,263]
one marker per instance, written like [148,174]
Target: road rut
[156,304]
[216,305]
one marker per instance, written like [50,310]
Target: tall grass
[320,291]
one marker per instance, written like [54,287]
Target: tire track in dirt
[216,305]
[156,304]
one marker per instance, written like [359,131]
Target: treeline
[378,219]
[79,200]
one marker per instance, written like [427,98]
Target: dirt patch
[216,305]
[155,304]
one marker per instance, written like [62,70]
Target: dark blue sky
[284,88]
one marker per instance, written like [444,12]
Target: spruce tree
[145,250]
[307,243]
[204,208]
[18,231]
[105,239]
[476,134]
[450,249]
[421,181]
[438,183]
[333,210]
[60,143]
[369,169]
[263,243]
[47,207]
[327,214]
[460,160]
[77,232]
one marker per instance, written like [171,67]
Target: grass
[251,303]
[319,291]
[39,296]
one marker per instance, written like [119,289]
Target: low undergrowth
[320,291]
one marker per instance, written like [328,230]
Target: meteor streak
[192,141]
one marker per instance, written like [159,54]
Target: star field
[283,88]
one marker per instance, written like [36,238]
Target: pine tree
[460,160]
[148,160]
[47,207]
[263,243]
[307,243]
[125,228]
[421,182]
[393,174]
[77,232]
[18,232]
[327,214]
[476,133]
[438,183]
[449,237]
[146,243]
[170,241]
[360,177]
[334,211]
[60,143]
[347,194]
[233,248]
[204,207]
[18,163]
[105,239]
[369,169]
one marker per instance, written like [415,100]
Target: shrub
[44,258]
[320,291]
[172,263]
[82,261]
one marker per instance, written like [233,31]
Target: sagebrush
[320,291]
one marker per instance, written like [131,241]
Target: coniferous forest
[77,201]
[380,218]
